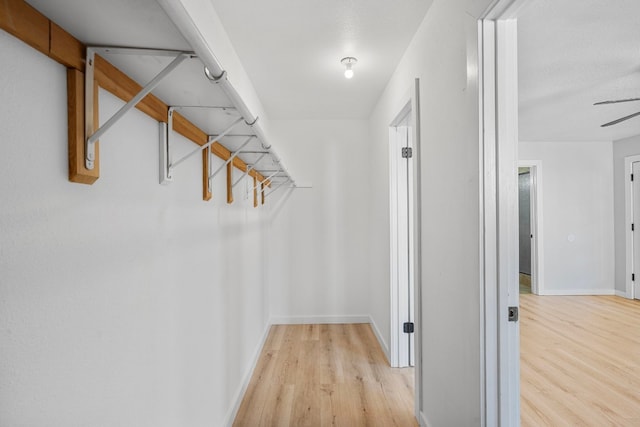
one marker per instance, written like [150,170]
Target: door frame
[537,260]
[399,351]
[498,135]
[628,209]
[412,98]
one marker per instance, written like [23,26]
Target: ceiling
[573,53]
[291,50]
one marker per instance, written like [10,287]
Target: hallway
[326,375]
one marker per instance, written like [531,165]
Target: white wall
[125,303]
[621,149]
[319,246]
[577,200]
[443,54]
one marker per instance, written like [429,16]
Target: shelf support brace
[212,140]
[249,169]
[278,186]
[267,179]
[231,157]
[89,79]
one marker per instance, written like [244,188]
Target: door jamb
[395,338]
[414,99]
[500,358]
[628,214]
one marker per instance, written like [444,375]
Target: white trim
[569,292]
[507,190]
[489,397]
[393,251]
[381,341]
[504,9]
[417,247]
[422,418]
[400,259]
[628,219]
[310,320]
[500,364]
[231,416]
[620,294]
[537,229]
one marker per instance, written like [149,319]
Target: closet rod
[179,15]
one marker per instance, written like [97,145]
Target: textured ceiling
[573,53]
[291,50]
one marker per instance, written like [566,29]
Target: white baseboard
[423,420]
[381,341]
[579,292]
[622,294]
[231,416]
[306,320]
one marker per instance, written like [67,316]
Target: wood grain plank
[25,23]
[298,381]
[255,192]
[206,189]
[580,361]
[229,183]
[66,49]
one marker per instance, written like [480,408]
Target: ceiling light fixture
[348,62]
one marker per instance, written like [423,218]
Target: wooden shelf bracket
[93,136]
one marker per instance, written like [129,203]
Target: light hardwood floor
[580,361]
[326,375]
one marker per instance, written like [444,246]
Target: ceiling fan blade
[617,101]
[622,119]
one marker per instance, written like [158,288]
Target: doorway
[402,231]
[530,258]
[632,209]
[525,233]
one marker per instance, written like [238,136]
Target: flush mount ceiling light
[348,62]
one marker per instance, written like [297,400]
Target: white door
[402,243]
[636,229]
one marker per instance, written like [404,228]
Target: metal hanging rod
[249,168]
[179,57]
[193,35]
[254,152]
[230,159]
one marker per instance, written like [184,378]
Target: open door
[402,239]
[635,186]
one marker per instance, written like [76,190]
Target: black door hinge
[631,177]
[633,277]
[407,152]
[633,227]
[407,327]
[513,314]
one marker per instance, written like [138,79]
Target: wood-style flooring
[580,361]
[326,375]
